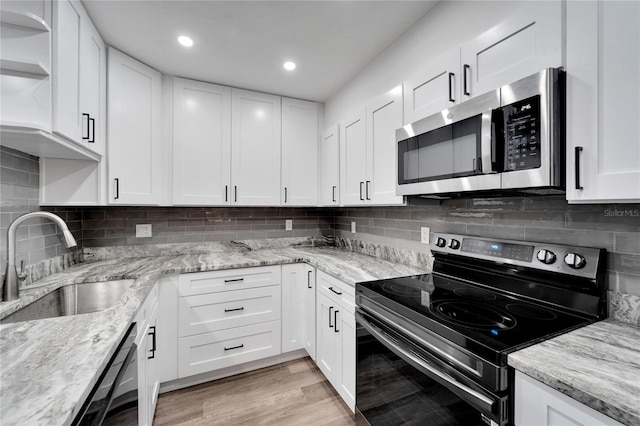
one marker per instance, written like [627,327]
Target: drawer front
[336,290]
[231,279]
[219,311]
[210,351]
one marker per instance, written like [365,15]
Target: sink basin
[72,300]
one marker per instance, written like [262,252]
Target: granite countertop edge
[597,365]
[82,345]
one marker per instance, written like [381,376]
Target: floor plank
[289,394]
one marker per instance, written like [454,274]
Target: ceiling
[245,43]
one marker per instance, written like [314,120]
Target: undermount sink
[72,300]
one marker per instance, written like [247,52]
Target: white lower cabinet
[298,308]
[335,331]
[537,404]
[226,318]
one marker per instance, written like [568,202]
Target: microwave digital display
[522,134]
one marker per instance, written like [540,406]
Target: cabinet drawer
[219,311]
[337,291]
[210,351]
[231,279]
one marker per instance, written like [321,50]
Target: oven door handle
[477,398]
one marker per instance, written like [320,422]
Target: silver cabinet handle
[466,78]
[367,186]
[451,77]
[309,279]
[577,152]
[361,185]
[333,193]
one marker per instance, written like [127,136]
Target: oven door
[400,382]
[451,151]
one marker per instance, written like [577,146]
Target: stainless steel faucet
[12,278]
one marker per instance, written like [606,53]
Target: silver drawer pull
[234,280]
[234,347]
[339,293]
[235,309]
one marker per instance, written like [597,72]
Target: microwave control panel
[522,134]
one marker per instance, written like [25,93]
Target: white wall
[449,24]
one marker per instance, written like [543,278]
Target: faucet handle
[22,275]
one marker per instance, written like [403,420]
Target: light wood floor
[294,393]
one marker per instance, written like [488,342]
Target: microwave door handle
[486,165]
[470,395]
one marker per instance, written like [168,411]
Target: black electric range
[485,299]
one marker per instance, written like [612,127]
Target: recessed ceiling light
[185,41]
[289,66]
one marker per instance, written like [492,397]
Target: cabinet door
[526,43]
[310,311]
[353,147]
[255,148]
[299,153]
[330,167]
[384,116]
[201,143]
[326,349]
[433,88]
[537,404]
[294,318]
[134,146]
[603,106]
[93,86]
[346,353]
[66,64]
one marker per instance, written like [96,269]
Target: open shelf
[30,67]
[24,19]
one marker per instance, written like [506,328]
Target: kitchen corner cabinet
[135,152]
[201,145]
[330,167]
[368,145]
[299,153]
[79,76]
[537,404]
[298,308]
[336,336]
[529,41]
[603,83]
[255,148]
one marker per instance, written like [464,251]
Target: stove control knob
[575,261]
[454,244]
[441,242]
[546,256]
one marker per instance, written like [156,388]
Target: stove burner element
[400,289]
[472,315]
[474,293]
[532,312]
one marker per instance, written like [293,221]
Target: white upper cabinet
[603,106]
[330,167]
[353,155]
[299,153]
[255,148]
[66,62]
[201,143]
[526,43]
[384,116]
[136,164]
[368,152]
[433,88]
[79,65]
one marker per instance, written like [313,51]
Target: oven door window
[450,151]
[390,391]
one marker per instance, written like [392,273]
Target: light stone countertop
[49,366]
[597,365]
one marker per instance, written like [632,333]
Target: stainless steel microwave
[511,138]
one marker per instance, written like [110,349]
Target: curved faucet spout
[10,290]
